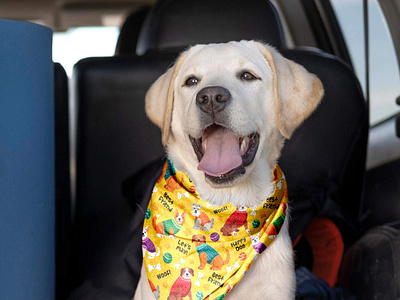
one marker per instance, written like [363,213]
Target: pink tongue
[221,153]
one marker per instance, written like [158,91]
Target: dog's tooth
[243,147]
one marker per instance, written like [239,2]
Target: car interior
[343,174]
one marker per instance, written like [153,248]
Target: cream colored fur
[273,106]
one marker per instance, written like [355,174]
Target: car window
[77,43]
[384,71]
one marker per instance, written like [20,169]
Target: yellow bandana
[193,248]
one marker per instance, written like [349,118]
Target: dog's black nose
[213,99]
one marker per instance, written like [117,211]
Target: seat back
[324,161]
[114,140]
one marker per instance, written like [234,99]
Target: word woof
[220,210]
[163,274]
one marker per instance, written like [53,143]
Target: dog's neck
[251,192]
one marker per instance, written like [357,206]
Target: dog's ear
[160,99]
[203,238]
[191,271]
[297,92]
[193,238]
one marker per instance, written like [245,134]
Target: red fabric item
[181,287]
[327,248]
[204,218]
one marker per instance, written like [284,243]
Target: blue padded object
[27,191]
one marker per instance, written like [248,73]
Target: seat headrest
[129,33]
[173,25]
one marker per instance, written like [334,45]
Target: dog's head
[187,273]
[196,209]
[241,208]
[255,238]
[225,109]
[198,239]
[180,217]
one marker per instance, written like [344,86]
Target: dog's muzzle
[222,154]
[212,100]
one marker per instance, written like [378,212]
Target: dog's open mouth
[222,155]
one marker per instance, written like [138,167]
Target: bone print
[156,267]
[186,195]
[179,263]
[253,213]
[198,279]
[155,189]
[235,266]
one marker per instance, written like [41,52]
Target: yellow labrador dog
[225,111]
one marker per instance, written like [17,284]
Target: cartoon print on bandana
[273,229]
[169,227]
[201,220]
[258,246]
[182,286]
[171,182]
[202,250]
[235,221]
[147,244]
[207,254]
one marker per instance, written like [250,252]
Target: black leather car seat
[114,140]
[324,161]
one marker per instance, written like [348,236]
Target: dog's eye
[247,76]
[191,81]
